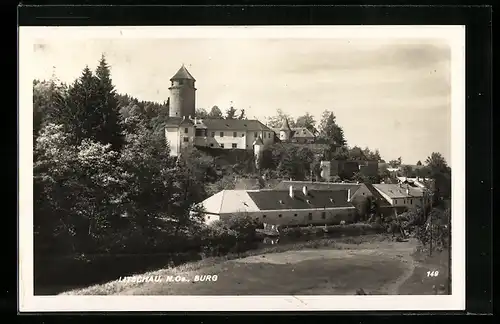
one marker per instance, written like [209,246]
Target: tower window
[221,134]
[181,82]
[186,130]
[234,145]
[235,134]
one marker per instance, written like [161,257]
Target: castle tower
[182,94]
[285,130]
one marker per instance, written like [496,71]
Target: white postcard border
[30,303]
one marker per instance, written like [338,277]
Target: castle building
[183,129]
[300,135]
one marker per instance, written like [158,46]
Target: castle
[183,129]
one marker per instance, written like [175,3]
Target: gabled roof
[285,185]
[182,74]
[280,199]
[302,132]
[229,201]
[235,125]
[398,190]
[382,202]
[285,125]
[178,121]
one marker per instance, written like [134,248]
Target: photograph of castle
[191,166]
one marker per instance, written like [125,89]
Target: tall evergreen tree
[108,126]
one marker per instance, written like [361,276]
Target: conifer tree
[108,126]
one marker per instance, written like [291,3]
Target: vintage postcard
[242,168]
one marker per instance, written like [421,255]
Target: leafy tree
[441,173]
[276,121]
[231,113]
[407,171]
[395,163]
[201,113]
[308,122]
[215,113]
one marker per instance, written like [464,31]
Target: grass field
[339,267]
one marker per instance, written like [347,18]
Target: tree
[395,163]
[109,129]
[407,171]
[441,173]
[329,131]
[276,121]
[419,163]
[231,113]
[201,113]
[215,113]
[242,114]
[308,122]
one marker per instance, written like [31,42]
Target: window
[263,216]
[280,215]
[213,134]
[323,215]
[186,130]
[295,215]
[235,134]
[211,144]
[181,82]
[256,134]
[234,145]
[208,217]
[411,201]
[186,139]
[268,135]
[222,145]
[310,216]
[221,134]
[242,134]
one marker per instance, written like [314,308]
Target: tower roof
[182,74]
[258,141]
[285,126]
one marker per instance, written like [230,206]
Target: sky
[387,94]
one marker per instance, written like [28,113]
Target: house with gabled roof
[290,207]
[300,135]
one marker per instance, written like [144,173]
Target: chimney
[291,192]
[348,195]
[304,190]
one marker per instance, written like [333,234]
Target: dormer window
[308,201]
[281,202]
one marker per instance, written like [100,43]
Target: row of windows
[234,145]
[405,201]
[309,216]
[221,134]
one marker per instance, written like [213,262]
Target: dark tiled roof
[236,124]
[285,125]
[285,185]
[177,121]
[280,199]
[182,74]
[382,202]
[302,132]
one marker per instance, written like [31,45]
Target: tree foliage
[276,121]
